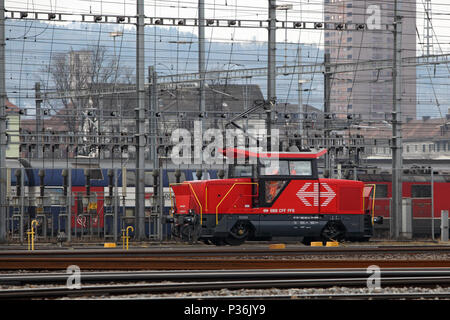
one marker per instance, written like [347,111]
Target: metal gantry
[194,22]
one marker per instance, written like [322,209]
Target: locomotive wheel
[333,231]
[238,234]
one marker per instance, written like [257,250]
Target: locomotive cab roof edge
[242,153]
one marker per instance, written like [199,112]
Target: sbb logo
[303,194]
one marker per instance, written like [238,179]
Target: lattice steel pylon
[428,46]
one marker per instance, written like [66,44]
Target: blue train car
[45,195]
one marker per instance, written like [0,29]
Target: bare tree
[83,80]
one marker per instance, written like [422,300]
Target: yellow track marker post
[128,237]
[31,234]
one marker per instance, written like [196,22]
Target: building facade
[369,93]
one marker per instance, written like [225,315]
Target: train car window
[173,179]
[300,168]
[381,191]
[275,168]
[420,191]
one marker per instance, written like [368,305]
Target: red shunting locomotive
[272,194]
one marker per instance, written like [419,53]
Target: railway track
[209,275]
[227,258]
[232,251]
[125,263]
[243,279]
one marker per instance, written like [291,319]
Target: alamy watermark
[374,19]
[203,147]
[374,280]
[74,279]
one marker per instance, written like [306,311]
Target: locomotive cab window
[295,168]
[275,168]
[300,168]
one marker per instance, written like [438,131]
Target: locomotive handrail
[236,183]
[199,204]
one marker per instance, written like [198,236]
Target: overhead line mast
[271,70]
[397,156]
[140,123]
[3,182]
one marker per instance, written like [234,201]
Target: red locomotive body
[272,195]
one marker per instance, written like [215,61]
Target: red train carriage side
[417,188]
[87,215]
[272,195]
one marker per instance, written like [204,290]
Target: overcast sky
[302,10]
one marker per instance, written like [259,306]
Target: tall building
[369,93]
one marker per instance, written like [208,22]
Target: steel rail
[220,258]
[208,275]
[159,288]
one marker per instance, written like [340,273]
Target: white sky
[302,10]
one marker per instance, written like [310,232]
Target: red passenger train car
[86,215]
[272,195]
[423,194]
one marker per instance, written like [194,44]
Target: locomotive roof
[244,153]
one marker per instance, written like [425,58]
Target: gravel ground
[349,256]
[268,293]
[294,293]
